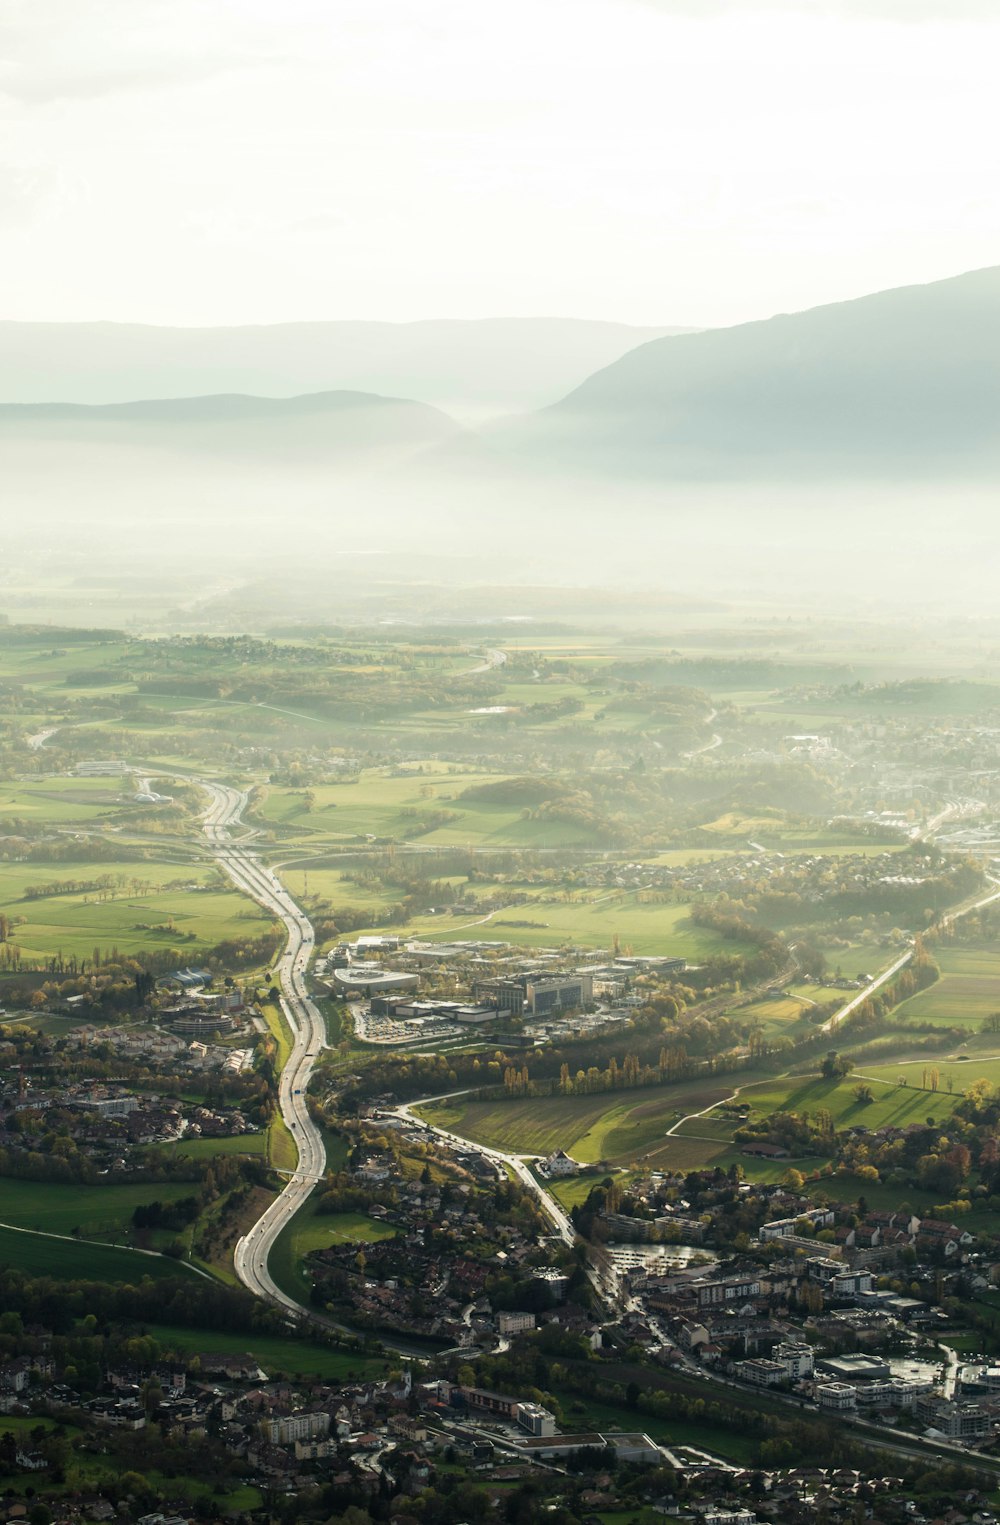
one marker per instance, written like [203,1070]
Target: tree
[835,1066]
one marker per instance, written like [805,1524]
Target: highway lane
[308,1031]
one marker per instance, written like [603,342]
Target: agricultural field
[147,905]
[953,1071]
[967,992]
[382,803]
[625,1128]
[613,1127]
[892,1105]
[783,1017]
[590,920]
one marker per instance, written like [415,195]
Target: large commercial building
[539,993]
[362,980]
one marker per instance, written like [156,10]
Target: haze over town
[499,781]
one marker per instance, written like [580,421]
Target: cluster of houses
[368,1438]
[107,1121]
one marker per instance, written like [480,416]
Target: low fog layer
[845,457]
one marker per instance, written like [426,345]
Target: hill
[474,369]
[901,384]
[318,428]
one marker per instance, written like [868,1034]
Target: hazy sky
[674,161]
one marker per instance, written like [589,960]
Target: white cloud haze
[199,161]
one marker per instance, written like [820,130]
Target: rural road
[714,741]
[605,1283]
[492,657]
[893,969]
[550,1207]
[308,1034]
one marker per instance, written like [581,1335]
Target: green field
[274,1354]
[782,1017]
[310,1230]
[591,1128]
[586,1414]
[98,1212]
[959,1072]
[968,990]
[622,1128]
[253,1144]
[589,920]
[85,1261]
[381,803]
[194,913]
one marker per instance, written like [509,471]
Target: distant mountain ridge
[899,383]
[902,385]
[474,369]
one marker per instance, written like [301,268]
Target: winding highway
[308,1037]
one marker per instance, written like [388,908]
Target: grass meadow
[68,1260]
[98,1212]
[274,1354]
[310,1230]
[612,1127]
[190,915]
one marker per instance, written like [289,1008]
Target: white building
[761,1373]
[796,1357]
[560,1164]
[310,1424]
[535,1419]
[514,1323]
[837,1396]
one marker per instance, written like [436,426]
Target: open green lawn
[968,990]
[99,1212]
[310,1230]
[149,905]
[69,1261]
[591,920]
[274,1354]
[575,1190]
[206,1148]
